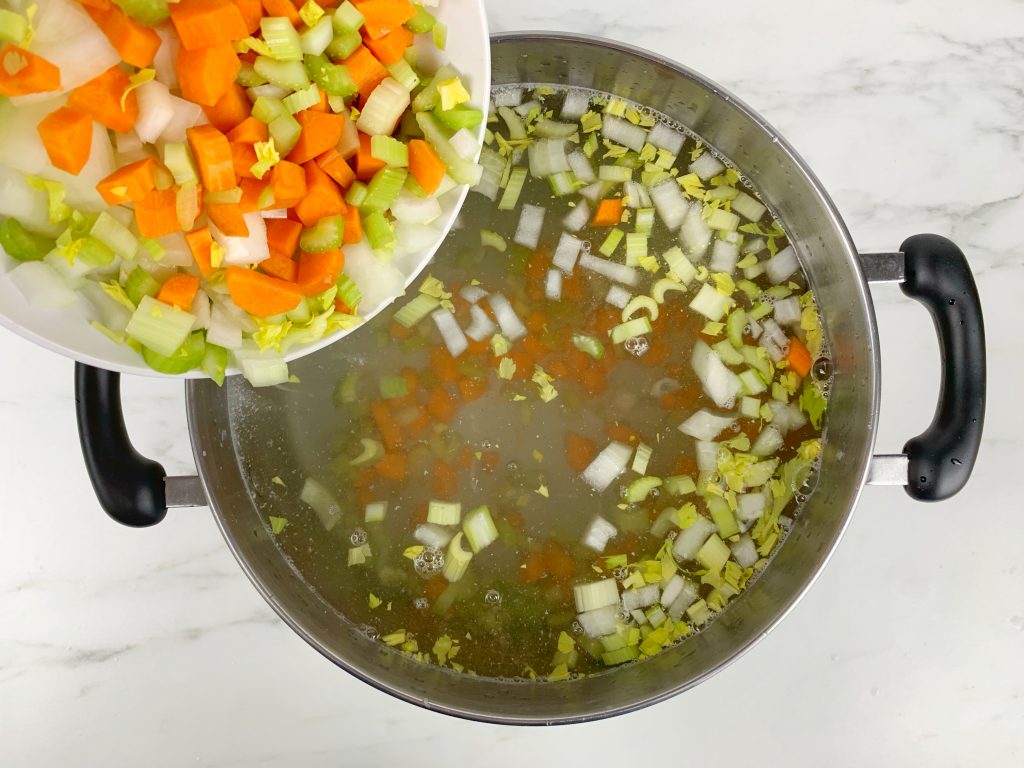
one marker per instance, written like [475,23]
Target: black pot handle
[129,486]
[941,458]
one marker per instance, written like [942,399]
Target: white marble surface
[123,648]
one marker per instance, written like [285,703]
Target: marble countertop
[124,647]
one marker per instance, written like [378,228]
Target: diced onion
[623,132]
[617,296]
[547,157]
[155,110]
[481,325]
[750,506]
[706,453]
[720,384]
[669,139]
[452,334]
[620,273]
[577,218]
[472,293]
[553,285]
[669,202]
[531,221]
[691,539]
[607,465]
[465,143]
[706,425]
[632,599]
[782,265]
[566,252]
[767,442]
[599,622]
[512,327]
[433,535]
[787,311]
[580,165]
[724,256]
[575,105]
[744,552]
[508,97]
[706,166]
[599,533]
[242,251]
[695,234]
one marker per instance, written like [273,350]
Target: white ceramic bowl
[69,333]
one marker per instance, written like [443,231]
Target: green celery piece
[379,232]
[290,75]
[392,387]
[344,44]
[422,21]
[347,18]
[215,363]
[148,12]
[285,131]
[461,170]
[282,38]
[384,187]
[428,99]
[459,117]
[22,245]
[140,283]
[266,109]
[348,292]
[184,358]
[325,235]
[248,77]
[332,79]
[356,194]
[14,28]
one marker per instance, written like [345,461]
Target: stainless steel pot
[933,466]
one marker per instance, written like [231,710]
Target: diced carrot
[608,213]
[334,165]
[558,563]
[681,398]
[366,164]
[136,43]
[594,380]
[128,183]
[353,226]
[283,236]
[323,198]
[243,157]
[444,481]
[252,12]
[684,464]
[434,586]
[206,74]
[212,154]
[259,294]
[799,357]
[320,132]
[22,72]
[425,165]
[249,131]
[324,105]
[365,70]
[393,467]
[67,138]
[319,271]
[579,451]
[489,460]
[534,569]
[440,405]
[383,16]
[622,433]
[179,291]
[280,266]
[444,365]
[252,190]
[390,435]
[101,4]
[391,47]
[200,241]
[227,217]
[288,181]
[230,110]
[100,98]
[157,213]
[281,8]
[472,389]
[203,23]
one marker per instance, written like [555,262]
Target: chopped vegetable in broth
[589,428]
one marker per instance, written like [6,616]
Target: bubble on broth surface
[492,597]
[637,346]
[429,561]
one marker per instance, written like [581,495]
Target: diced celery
[332,79]
[390,151]
[215,363]
[186,357]
[266,109]
[285,131]
[422,21]
[316,38]
[344,43]
[148,12]
[722,516]
[290,75]
[325,235]
[347,18]
[140,284]
[383,189]
[444,512]
[440,35]
[282,39]
[379,232]
[383,108]
[680,485]
[403,72]
[14,28]
[635,327]
[302,99]
[714,553]
[588,344]
[611,242]
[348,292]
[159,326]
[416,310]
[114,235]
[489,239]
[393,387]
[18,243]
[510,196]
[462,171]
[356,194]
[248,77]
[564,183]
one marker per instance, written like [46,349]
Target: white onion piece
[201,310]
[686,597]
[620,273]
[185,115]
[512,327]
[242,251]
[623,132]
[672,590]
[774,340]
[594,192]
[599,533]
[481,326]
[129,148]
[720,384]
[691,539]
[110,313]
[432,535]
[767,442]
[786,417]
[29,206]
[669,139]
[577,218]
[706,425]
[607,465]
[547,157]
[706,454]
[415,210]
[166,55]
[553,285]
[531,221]
[724,256]
[472,293]
[646,596]
[42,286]
[465,144]
[452,334]
[787,311]
[508,97]
[223,329]
[706,166]
[750,506]
[669,202]
[566,252]
[67,38]
[782,265]
[155,110]
[575,105]
[600,621]
[618,296]
[580,165]
[745,552]
[413,238]
[635,195]
[695,234]
[526,107]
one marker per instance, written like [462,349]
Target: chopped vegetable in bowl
[218,183]
[591,428]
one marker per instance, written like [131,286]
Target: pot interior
[242,437]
